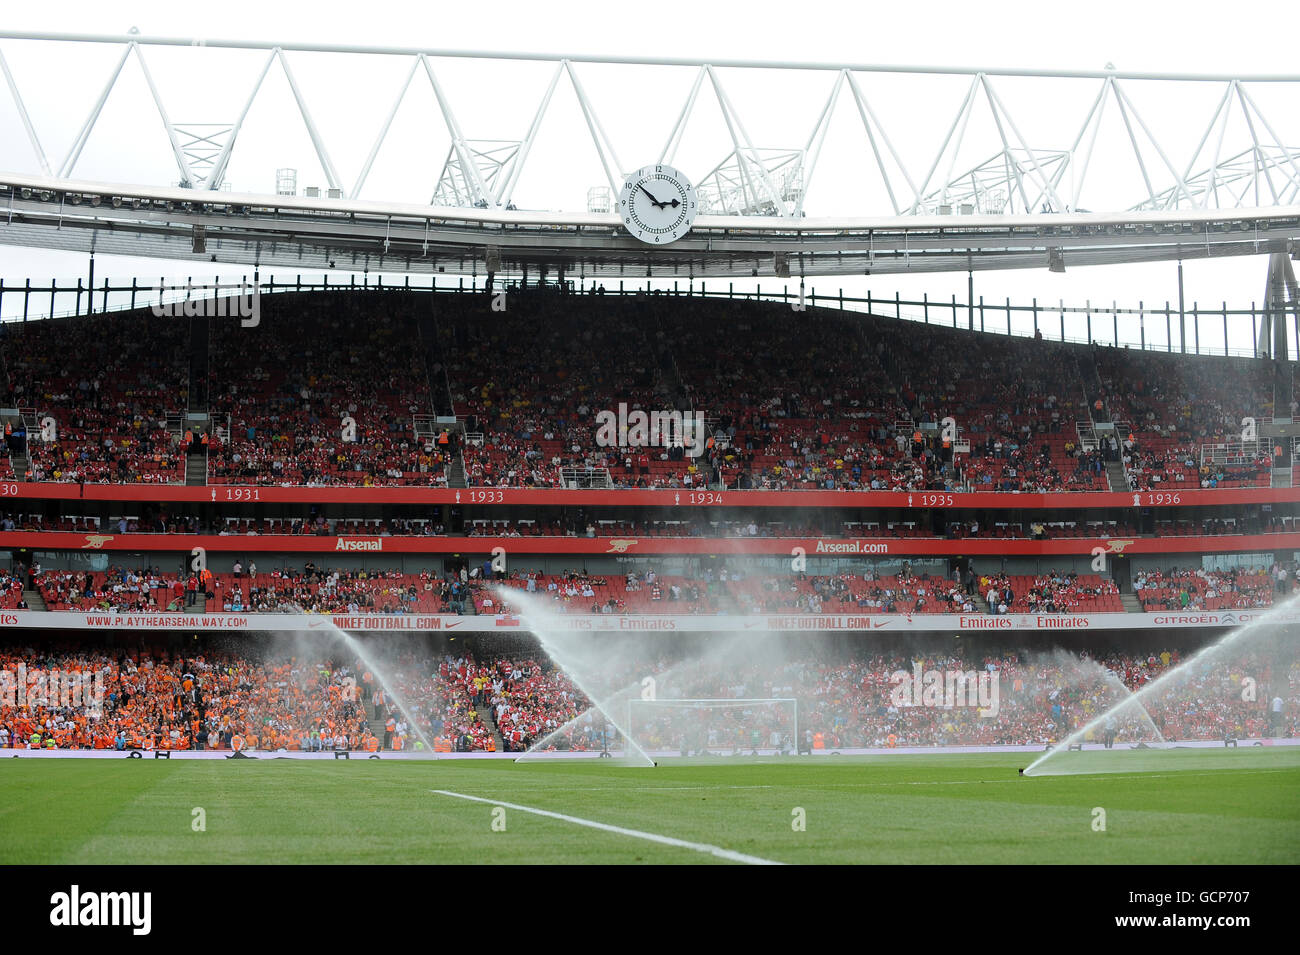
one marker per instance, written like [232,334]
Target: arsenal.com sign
[631,623]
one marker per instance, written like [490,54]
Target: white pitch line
[704,847]
[1111,773]
[626,789]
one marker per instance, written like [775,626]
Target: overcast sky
[350,98]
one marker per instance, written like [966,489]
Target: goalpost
[702,726]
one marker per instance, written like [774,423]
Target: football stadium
[707,474]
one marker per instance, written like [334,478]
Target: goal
[718,727]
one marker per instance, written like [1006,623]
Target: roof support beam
[22,115]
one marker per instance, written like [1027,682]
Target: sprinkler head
[1021,770]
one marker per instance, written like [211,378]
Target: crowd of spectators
[326,389]
[1171,406]
[159,700]
[1050,592]
[289,590]
[709,589]
[101,388]
[576,523]
[1200,589]
[224,699]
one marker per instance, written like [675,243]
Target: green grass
[1206,806]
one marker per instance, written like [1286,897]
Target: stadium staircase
[490,721]
[456,472]
[435,372]
[1117,477]
[1281,428]
[196,470]
[894,377]
[1089,377]
[1283,389]
[1100,426]
[678,395]
[196,401]
[33,598]
[1131,603]
[18,419]
[197,396]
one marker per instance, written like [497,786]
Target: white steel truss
[1243,164]
[492,159]
[23,117]
[202,145]
[993,187]
[729,189]
[1237,182]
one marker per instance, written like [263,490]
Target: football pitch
[1180,806]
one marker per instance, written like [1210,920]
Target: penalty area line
[704,847]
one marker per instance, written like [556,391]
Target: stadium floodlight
[1055,260]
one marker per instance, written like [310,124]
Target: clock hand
[657,203]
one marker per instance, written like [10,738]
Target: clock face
[657,204]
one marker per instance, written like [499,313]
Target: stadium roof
[1007,187]
[293,232]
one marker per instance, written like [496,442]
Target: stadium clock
[657,204]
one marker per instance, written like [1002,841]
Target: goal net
[714,727]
